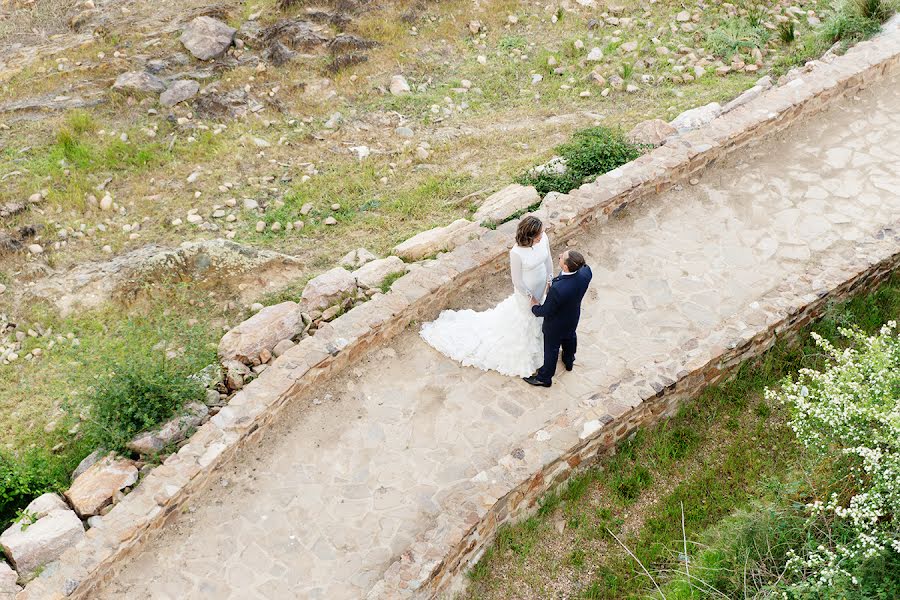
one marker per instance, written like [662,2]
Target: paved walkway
[350,475]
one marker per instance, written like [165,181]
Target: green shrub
[591,152]
[22,478]
[848,27]
[735,36]
[134,396]
[854,20]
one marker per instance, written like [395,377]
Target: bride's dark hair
[527,231]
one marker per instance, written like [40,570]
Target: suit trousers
[552,346]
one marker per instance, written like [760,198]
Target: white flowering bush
[849,412]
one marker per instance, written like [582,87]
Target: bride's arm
[549,259]
[515,270]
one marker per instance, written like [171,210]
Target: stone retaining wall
[438,559]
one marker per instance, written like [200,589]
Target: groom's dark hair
[574,260]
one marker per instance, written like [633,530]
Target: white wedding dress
[506,338]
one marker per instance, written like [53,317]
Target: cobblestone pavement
[351,474]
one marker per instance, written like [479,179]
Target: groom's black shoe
[569,366]
[533,380]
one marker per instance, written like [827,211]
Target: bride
[506,338]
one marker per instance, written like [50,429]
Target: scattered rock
[207,38]
[331,312]
[235,103]
[179,91]
[174,430]
[31,545]
[653,132]
[503,204]
[261,332]
[93,490]
[235,373]
[88,461]
[295,34]
[326,289]
[209,376]
[439,239]
[399,86]
[595,55]
[282,347]
[374,273]
[139,82]
[357,258]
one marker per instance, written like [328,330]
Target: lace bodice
[531,268]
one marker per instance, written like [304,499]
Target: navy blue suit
[561,311]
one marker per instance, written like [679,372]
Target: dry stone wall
[436,562]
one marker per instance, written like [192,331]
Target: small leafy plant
[26,517]
[591,152]
[136,395]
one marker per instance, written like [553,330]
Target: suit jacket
[562,306]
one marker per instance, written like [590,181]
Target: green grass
[723,453]
[79,158]
[49,406]
[369,207]
[385,286]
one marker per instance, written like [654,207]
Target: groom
[561,310]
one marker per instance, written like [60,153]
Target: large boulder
[222,266]
[261,332]
[93,490]
[502,205]
[653,132]
[172,431]
[374,273]
[179,91]
[48,529]
[439,239]
[207,38]
[8,586]
[328,288]
[139,82]
[697,117]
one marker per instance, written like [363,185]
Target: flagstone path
[350,474]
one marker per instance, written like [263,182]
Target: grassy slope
[723,451]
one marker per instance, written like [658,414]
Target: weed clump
[737,36]
[591,152]
[136,395]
